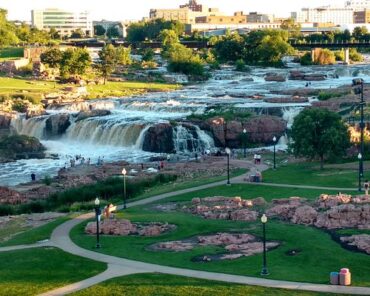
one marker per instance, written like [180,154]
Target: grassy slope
[32,235]
[318,257]
[166,285]
[11,53]
[30,272]
[310,174]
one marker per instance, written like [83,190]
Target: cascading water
[33,127]
[191,139]
[105,131]
[289,113]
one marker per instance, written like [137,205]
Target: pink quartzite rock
[305,215]
[362,242]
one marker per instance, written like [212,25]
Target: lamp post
[124,172]
[97,213]
[359,171]
[228,152]
[264,267]
[360,91]
[245,142]
[274,140]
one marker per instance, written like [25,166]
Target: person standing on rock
[366,186]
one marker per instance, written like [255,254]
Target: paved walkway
[120,267]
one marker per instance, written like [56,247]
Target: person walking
[366,186]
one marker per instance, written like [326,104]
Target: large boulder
[9,196]
[20,147]
[92,113]
[305,215]
[159,138]
[275,77]
[263,129]
[5,119]
[57,124]
[361,242]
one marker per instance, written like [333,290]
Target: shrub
[355,56]
[46,180]
[240,65]
[306,59]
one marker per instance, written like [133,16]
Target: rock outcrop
[159,138]
[12,197]
[298,75]
[20,147]
[57,124]
[275,77]
[93,113]
[361,242]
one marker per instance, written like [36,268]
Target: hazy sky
[136,9]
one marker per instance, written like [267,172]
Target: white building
[334,15]
[64,22]
[358,5]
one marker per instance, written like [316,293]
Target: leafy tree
[7,35]
[292,27]
[75,61]
[360,32]
[108,60]
[355,56]
[168,38]
[52,57]
[123,56]
[113,32]
[54,34]
[99,30]
[306,59]
[319,133]
[147,54]
[229,48]
[324,56]
[77,34]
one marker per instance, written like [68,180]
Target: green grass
[176,186]
[30,236]
[165,285]
[11,53]
[33,271]
[121,89]
[310,174]
[318,257]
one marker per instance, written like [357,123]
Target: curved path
[120,267]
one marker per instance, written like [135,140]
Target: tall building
[254,17]
[362,17]
[64,22]
[237,18]
[334,15]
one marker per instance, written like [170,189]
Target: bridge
[346,45]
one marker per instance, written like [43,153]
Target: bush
[339,55]
[47,180]
[355,56]
[240,65]
[306,59]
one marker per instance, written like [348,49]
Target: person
[366,186]
[142,166]
[162,164]
[33,177]
[255,158]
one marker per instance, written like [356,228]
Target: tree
[108,60]
[99,30]
[52,57]
[168,38]
[77,34]
[75,61]
[319,133]
[113,32]
[359,33]
[123,56]
[147,54]
[229,48]
[292,27]
[7,35]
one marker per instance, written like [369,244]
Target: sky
[127,10]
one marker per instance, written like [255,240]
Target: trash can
[334,278]
[344,277]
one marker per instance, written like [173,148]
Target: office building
[64,22]
[334,15]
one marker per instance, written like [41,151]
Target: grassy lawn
[15,85]
[33,271]
[310,174]
[166,285]
[11,53]
[175,186]
[121,89]
[29,236]
[318,256]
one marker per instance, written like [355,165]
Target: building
[334,15]
[254,17]
[237,18]
[220,29]
[64,22]
[358,5]
[186,13]
[362,17]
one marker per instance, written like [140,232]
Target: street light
[360,91]
[245,142]
[274,140]
[264,267]
[124,172]
[97,214]
[359,171]
[228,152]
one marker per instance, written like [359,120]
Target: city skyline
[21,10]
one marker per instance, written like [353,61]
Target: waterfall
[105,132]
[289,113]
[85,106]
[33,127]
[191,139]
[140,140]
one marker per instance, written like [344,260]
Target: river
[119,136]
